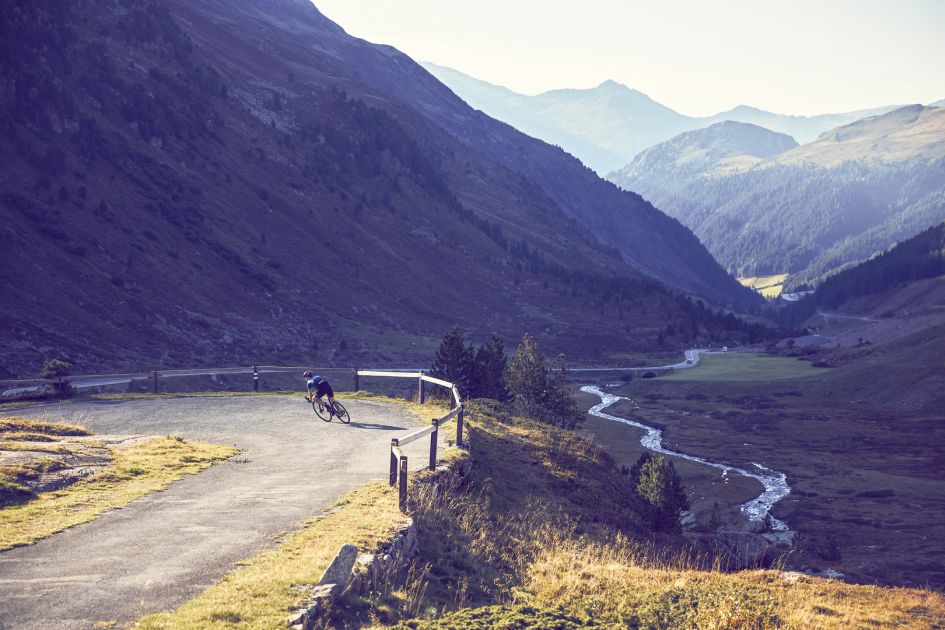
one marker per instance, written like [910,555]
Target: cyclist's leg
[326,390]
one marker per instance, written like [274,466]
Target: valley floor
[868,491]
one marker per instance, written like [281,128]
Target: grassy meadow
[868,492]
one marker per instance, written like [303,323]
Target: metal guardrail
[398,459]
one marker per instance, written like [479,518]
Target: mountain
[804,129]
[721,148]
[908,134]
[813,209]
[602,126]
[606,126]
[213,181]
[940,103]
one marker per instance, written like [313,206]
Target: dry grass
[261,593]
[625,583]
[510,547]
[11,426]
[134,472]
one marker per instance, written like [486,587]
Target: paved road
[164,548]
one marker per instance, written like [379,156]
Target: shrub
[57,369]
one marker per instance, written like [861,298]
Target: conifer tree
[538,394]
[659,486]
[559,404]
[527,379]
[488,374]
[453,360]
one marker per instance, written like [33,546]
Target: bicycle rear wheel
[322,413]
[342,413]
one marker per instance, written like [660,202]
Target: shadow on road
[382,427]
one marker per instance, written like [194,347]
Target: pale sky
[698,57]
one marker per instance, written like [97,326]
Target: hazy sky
[699,57]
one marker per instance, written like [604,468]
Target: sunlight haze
[699,58]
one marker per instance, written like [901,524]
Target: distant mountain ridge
[909,133]
[809,210]
[607,126]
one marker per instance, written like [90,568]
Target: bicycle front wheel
[342,413]
[322,413]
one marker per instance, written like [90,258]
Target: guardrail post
[420,388]
[403,483]
[155,381]
[393,462]
[255,379]
[357,382]
[459,426]
[433,438]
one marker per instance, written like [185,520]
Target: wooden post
[393,462]
[403,483]
[420,392]
[357,382]
[155,381]
[255,379]
[433,438]
[459,426]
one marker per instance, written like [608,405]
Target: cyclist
[318,387]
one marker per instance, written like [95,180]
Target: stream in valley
[774,482]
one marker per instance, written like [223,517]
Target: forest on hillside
[804,220]
[918,258]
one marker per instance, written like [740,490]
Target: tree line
[536,391]
[525,382]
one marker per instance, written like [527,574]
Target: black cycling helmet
[307,373]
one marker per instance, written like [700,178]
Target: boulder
[340,568]
[744,550]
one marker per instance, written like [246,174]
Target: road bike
[329,410]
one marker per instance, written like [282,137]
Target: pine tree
[660,487]
[538,394]
[560,407]
[527,379]
[488,373]
[453,360]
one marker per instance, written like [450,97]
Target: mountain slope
[647,238]
[913,133]
[606,126]
[716,150]
[815,208]
[213,182]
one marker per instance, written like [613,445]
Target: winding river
[774,482]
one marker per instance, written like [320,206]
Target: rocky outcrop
[356,573]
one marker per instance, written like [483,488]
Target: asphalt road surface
[165,548]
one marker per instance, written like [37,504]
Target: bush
[57,369]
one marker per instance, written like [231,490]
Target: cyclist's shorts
[324,388]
